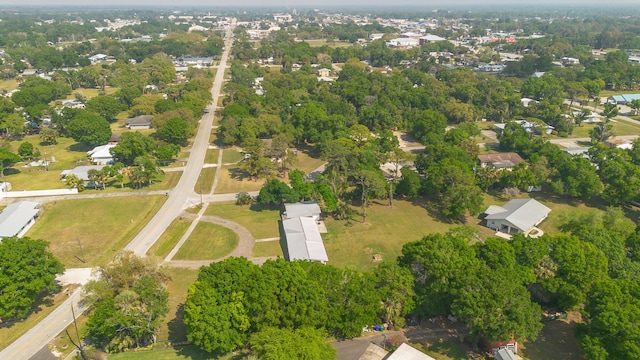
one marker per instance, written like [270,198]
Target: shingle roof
[15,216]
[501,160]
[522,213]
[303,239]
[142,120]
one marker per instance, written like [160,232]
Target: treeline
[497,288]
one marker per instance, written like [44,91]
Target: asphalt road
[179,198]
[183,192]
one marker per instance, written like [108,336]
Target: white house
[403,42]
[97,57]
[17,218]
[304,241]
[294,210]
[100,155]
[516,216]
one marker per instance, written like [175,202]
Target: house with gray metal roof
[303,238]
[294,210]
[516,216]
[17,218]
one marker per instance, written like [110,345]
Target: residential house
[403,352]
[82,172]
[304,241]
[516,216]
[324,72]
[101,155]
[403,42]
[623,99]
[17,218]
[97,58]
[507,160]
[430,39]
[310,209]
[74,104]
[141,122]
[505,354]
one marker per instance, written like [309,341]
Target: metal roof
[406,352]
[15,216]
[81,171]
[505,354]
[522,213]
[301,209]
[303,239]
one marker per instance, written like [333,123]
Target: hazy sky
[303,3]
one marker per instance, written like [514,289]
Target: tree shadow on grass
[238,174]
[10,171]
[80,147]
[177,328]
[44,300]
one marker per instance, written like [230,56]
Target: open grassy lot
[231,155]
[267,248]
[307,163]
[207,242]
[103,226]
[91,93]
[169,238]
[172,328]
[8,85]
[10,331]
[621,127]
[352,244]
[333,44]
[233,180]
[556,341]
[212,156]
[261,223]
[205,180]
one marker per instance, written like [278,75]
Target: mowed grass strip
[205,181]
[231,155]
[172,328]
[267,248]
[102,225]
[179,353]
[353,244]
[208,242]
[169,238]
[212,156]
[262,223]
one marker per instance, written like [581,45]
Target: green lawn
[267,248]
[234,180]
[8,84]
[205,180]
[212,156]
[621,127]
[352,244]
[172,328]
[261,223]
[169,238]
[102,225]
[333,44]
[231,155]
[556,341]
[207,242]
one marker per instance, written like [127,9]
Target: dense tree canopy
[28,268]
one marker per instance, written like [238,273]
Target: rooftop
[303,239]
[14,217]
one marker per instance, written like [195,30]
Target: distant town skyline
[308,3]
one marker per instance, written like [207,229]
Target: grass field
[207,242]
[8,85]
[211,156]
[556,341]
[267,248]
[205,181]
[169,238]
[172,328]
[261,223]
[233,180]
[231,156]
[352,244]
[102,225]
